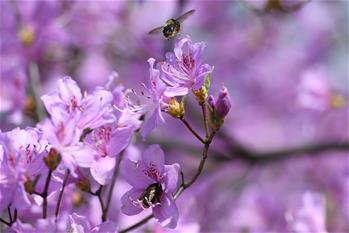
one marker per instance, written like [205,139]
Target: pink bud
[211,102]
[223,103]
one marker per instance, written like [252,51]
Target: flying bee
[151,196]
[172,26]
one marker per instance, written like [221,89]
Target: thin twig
[5,222]
[110,193]
[186,123]
[98,194]
[45,193]
[61,193]
[138,224]
[9,213]
[204,114]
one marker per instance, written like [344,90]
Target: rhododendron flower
[153,184]
[183,69]
[314,92]
[21,159]
[311,216]
[91,111]
[151,101]
[108,141]
[64,136]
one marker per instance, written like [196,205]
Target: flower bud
[27,35]
[223,103]
[53,159]
[83,185]
[211,102]
[77,199]
[176,109]
[29,186]
[201,94]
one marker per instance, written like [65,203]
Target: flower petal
[128,200]
[154,156]
[167,213]
[133,175]
[68,89]
[103,170]
[171,177]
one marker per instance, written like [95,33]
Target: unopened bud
[77,199]
[53,159]
[83,185]
[201,94]
[27,35]
[176,109]
[337,100]
[223,103]
[29,186]
[211,102]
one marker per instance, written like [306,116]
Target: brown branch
[45,193]
[191,129]
[110,193]
[241,152]
[61,193]
[204,114]
[138,224]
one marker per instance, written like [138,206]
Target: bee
[172,26]
[151,196]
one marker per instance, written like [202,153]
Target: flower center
[73,104]
[188,62]
[153,172]
[102,138]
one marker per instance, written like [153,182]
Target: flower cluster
[82,141]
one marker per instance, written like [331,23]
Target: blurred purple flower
[183,69]
[21,159]
[153,184]
[80,224]
[311,216]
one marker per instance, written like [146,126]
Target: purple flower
[108,141]
[310,216]
[91,111]
[151,101]
[153,184]
[183,69]
[64,137]
[80,224]
[21,159]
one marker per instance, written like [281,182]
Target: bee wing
[185,16]
[155,31]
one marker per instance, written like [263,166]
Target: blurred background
[280,162]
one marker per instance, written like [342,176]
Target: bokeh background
[280,163]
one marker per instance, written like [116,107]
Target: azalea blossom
[21,159]
[183,69]
[91,111]
[151,101]
[153,184]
